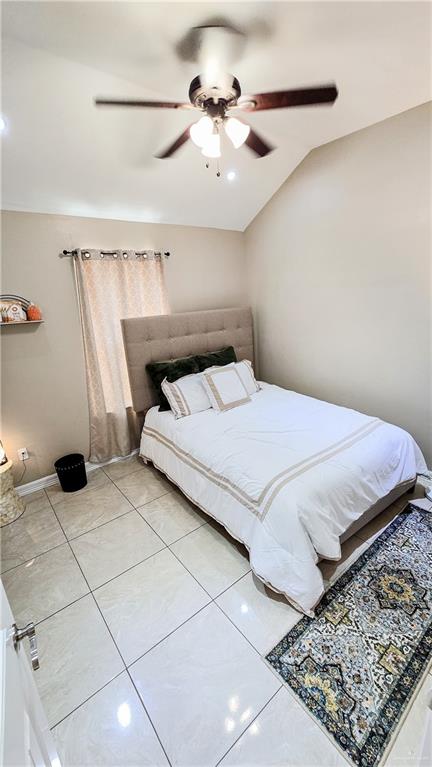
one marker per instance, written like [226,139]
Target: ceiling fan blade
[142,104]
[299,97]
[180,140]
[257,144]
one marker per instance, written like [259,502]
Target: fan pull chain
[218,171]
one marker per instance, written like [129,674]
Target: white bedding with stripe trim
[285,474]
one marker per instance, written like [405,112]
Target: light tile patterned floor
[152,627]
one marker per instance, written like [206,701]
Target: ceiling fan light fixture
[211,147]
[236,131]
[201,131]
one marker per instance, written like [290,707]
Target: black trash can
[71,472]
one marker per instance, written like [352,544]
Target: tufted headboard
[167,336]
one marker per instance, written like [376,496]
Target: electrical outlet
[23,454]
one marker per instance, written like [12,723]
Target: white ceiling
[62,155]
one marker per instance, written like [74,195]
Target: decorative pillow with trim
[247,375]
[225,388]
[172,370]
[187,395]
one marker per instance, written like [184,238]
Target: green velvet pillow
[221,357]
[171,370]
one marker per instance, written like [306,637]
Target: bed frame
[164,337]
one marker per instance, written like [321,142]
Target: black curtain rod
[72,253]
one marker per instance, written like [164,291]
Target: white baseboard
[52,479]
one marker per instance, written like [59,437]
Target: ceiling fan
[219,105]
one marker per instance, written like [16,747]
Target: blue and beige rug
[356,665]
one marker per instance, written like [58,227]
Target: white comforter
[285,474]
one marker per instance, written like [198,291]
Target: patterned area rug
[355,666]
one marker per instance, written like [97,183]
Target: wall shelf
[23,322]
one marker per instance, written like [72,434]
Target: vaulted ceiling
[62,155]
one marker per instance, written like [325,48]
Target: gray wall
[44,400]
[339,265]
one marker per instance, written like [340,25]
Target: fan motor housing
[204,97]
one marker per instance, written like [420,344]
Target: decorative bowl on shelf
[18,310]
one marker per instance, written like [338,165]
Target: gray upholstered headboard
[167,336]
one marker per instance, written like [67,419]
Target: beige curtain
[111,288]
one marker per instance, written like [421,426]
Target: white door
[25,738]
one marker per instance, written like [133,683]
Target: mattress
[285,474]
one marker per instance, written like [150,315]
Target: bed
[289,476]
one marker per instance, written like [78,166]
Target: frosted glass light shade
[201,130]
[236,131]
[211,147]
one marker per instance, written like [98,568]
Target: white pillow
[246,373]
[224,387]
[187,395]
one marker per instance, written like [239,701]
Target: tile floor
[151,630]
